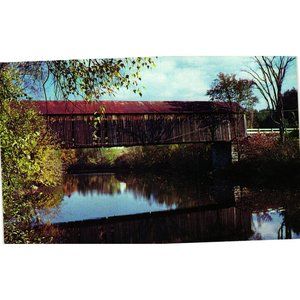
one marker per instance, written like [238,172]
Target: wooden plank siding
[132,123]
[75,131]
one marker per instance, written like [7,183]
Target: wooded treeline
[263,119]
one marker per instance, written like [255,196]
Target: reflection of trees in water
[46,200]
[263,199]
[263,217]
[292,219]
[30,206]
[91,183]
[262,202]
[181,191]
[185,191]
[49,197]
[175,189]
[161,188]
[171,190]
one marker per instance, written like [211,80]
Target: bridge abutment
[221,155]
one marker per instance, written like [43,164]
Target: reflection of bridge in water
[202,224]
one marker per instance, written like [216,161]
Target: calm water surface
[158,208]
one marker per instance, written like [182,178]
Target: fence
[268,130]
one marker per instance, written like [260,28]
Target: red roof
[129,107]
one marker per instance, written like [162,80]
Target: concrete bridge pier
[221,155]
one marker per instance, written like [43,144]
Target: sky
[188,78]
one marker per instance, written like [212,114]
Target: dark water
[148,208]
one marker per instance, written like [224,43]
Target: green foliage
[262,119]
[185,158]
[290,107]
[294,134]
[104,157]
[88,78]
[26,153]
[29,156]
[228,88]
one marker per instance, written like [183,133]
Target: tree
[87,78]
[262,119]
[268,76]
[290,107]
[30,158]
[228,88]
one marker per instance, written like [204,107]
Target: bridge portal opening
[183,158]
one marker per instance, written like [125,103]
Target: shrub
[267,147]
[264,160]
[29,157]
[174,157]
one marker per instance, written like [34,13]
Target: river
[159,208]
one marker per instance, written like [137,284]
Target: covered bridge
[83,124]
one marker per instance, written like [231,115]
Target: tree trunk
[281,131]
[281,119]
[251,118]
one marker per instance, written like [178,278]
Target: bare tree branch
[268,79]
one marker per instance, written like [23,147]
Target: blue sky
[188,78]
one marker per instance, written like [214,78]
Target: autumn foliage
[267,147]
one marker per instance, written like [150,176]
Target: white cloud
[188,78]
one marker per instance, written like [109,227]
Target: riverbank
[173,158]
[267,173]
[243,173]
